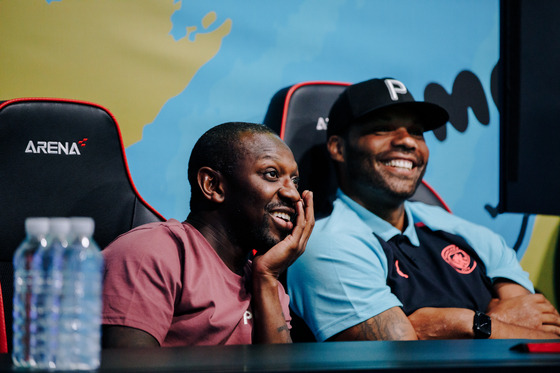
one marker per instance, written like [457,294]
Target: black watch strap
[482,325]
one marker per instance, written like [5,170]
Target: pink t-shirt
[166,279]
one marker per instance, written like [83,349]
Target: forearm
[515,305]
[457,323]
[269,324]
[269,321]
[390,325]
[443,323]
[501,330]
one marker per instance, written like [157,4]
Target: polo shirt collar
[381,227]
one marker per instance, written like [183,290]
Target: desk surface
[439,356]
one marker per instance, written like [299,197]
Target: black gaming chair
[299,114]
[62,158]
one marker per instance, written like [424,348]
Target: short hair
[219,149]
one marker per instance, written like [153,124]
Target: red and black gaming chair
[62,158]
[299,114]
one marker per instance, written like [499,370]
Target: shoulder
[437,218]
[428,212]
[151,232]
[489,245]
[154,239]
[340,238]
[343,221]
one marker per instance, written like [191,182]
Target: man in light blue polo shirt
[383,268]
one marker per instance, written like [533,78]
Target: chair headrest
[63,158]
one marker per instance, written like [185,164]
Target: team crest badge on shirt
[458,259]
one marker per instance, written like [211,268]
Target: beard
[369,180]
[258,237]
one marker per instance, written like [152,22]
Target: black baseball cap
[361,99]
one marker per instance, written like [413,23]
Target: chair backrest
[299,114]
[62,158]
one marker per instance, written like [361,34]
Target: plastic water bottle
[47,288]
[79,344]
[36,237]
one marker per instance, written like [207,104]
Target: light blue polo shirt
[341,279]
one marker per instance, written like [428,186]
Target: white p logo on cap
[395,87]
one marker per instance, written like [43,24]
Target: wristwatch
[482,325]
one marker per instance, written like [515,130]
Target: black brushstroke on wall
[467,92]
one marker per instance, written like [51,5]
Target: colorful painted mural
[169,70]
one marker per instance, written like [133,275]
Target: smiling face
[385,158]
[261,193]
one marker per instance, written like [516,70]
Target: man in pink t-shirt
[192,283]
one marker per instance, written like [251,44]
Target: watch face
[482,325]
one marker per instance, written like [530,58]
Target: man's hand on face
[283,254]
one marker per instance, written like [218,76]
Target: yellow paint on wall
[116,53]
[539,258]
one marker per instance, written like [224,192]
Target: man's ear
[335,146]
[211,184]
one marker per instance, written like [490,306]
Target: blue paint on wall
[276,44]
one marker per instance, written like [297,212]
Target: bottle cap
[37,226]
[59,226]
[82,226]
